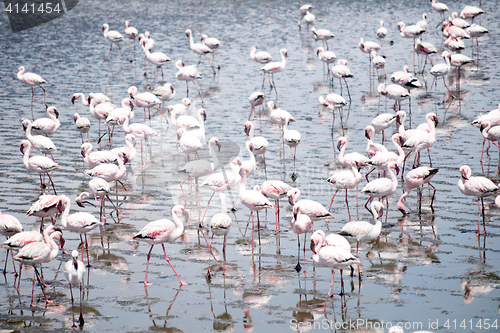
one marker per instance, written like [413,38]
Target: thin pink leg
[168,260]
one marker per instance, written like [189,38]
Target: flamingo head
[21,69]
[26,123]
[24,144]
[248,127]
[73,99]
[186,101]
[483,126]
[80,201]
[399,115]
[105,26]
[293,195]
[434,118]
[381,89]
[401,26]
[465,172]
[188,33]
[203,113]
[53,110]
[215,141]
[368,131]
[319,50]
[180,132]
[91,95]
[341,142]
[394,166]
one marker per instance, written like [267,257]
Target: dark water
[425,269]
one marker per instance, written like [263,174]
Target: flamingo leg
[206,209]
[42,286]
[209,275]
[146,283]
[347,203]
[80,319]
[87,248]
[72,305]
[331,202]
[168,260]
[298,268]
[258,227]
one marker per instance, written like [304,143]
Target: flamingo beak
[367,135]
[380,213]
[204,116]
[56,113]
[313,246]
[172,89]
[22,148]
[218,145]
[397,170]
[483,126]
[436,122]
[247,131]
[25,128]
[82,152]
[339,145]
[89,99]
[73,100]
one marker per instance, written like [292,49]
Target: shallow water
[425,269]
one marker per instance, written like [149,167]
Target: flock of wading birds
[334,251]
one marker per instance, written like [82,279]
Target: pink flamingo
[253,200]
[301,225]
[292,139]
[278,117]
[478,187]
[440,8]
[382,159]
[74,270]
[313,209]
[262,57]
[405,79]
[93,159]
[394,92]
[199,48]
[251,163]
[201,168]
[82,125]
[341,72]
[454,44]
[32,80]
[415,178]
[274,67]
[471,12]
[411,31]
[304,9]
[423,22]
[96,98]
[38,142]
[372,148]
[212,43]
[382,122]
[144,100]
[47,205]
[368,47]
[351,159]
[188,143]
[47,126]
[490,132]
[109,172]
[158,59]
[98,188]
[421,139]
[127,107]
[219,225]
[449,30]
[35,254]
[333,102]
[259,143]
[255,99]
[162,231]
[335,258]
[81,222]
[275,190]
[38,164]
[328,57]
[456,20]
[476,31]
[131,33]
[126,153]
[382,32]
[191,123]
[345,180]
[378,62]
[179,108]
[140,131]
[112,36]
[9,226]
[382,187]
[188,74]
[425,48]
[322,34]
[365,231]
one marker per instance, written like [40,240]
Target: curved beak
[56,113]
[367,135]
[204,116]
[313,246]
[218,145]
[339,145]
[73,99]
[247,131]
[380,213]
[22,148]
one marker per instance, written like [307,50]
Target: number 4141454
[41,8]
[471,324]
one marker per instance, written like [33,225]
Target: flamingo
[313,209]
[253,200]
[275,190]
[478,187]
[373,148]
[476,31]
[383,121]
[490,132]
[219,225]
[131,33]
[162,231]
[81,222]
[188,143]
[47,205]
[74,270]
[109,172]
[249,164]
[212,43]
[9,226]
[262,57]
[158,59]
[274,67]
[100,110]
[82,125]
[39,142]
[378,62]
[423,22]
[341,71]
[365,231]
[345,180]
[335,258]
[201,168]
[333,102]
[351,159]
[93,159]
[35,254]
[140,131]
[144,100]
[96,98]
[144,39]
[425,48]
[126,110]
[382,187]
[255,99]
[411,31]
[405,79]
[304,9]
[394,92]
[322,34]
[368,47]
[440,8]
[328,57]
[459,60]
[382,159]
[178,108]
[112,36]
[301,225]
[454,44]
[165,93]
[292,139]
[449,30]
[382,32]
[259,143]
[199,48]
[38,164]
[99,188]
[191,123]
[220,182]
[457,21]
[46,126]
[471,12]
[309,18]
[278,117]
[126,153]
[422,139]
[415,178]
[32,80]
[188,73]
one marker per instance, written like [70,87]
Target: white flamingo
[112,36]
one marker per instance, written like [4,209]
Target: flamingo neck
[393,178]
[125,125]
[215,160]
[342,151]
[252,156]
[223,203]
[250,135]
[179,226]
[27,154]
[400,151]
[65,214]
